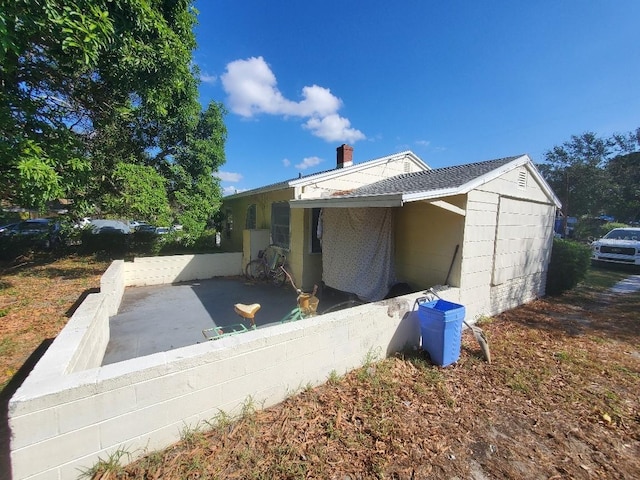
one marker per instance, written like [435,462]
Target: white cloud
[206,78]
[308,163]
[286,162]
[229,176]
[334,128]
[252,89]
[423,143]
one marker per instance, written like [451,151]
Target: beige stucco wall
[305,267]
[238,207]
[425,241]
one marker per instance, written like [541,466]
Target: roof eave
[336,172]
[375,201]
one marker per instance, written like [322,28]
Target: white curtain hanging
[357,251]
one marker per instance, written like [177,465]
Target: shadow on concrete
[5,395]
[164,317]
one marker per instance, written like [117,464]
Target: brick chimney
[345,156]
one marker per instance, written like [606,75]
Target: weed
[598,340]
[372,356]
[334,378]
[330,429]
[484,320]
[152,461]
[192,436]
[221,422]
[518,382]
[112,466]
[433,376]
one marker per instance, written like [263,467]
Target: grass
[561,398]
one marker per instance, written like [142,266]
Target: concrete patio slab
[159,318]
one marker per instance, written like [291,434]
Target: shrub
[568,265]
[111,243]
[144,243]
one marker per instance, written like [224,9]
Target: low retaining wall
[70,412]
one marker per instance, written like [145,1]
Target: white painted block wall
[70,411]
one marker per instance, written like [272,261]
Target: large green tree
[580,172]
[90,86]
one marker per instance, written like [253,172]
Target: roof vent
[522,179]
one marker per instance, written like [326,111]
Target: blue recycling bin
[441,330]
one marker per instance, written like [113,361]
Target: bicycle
[306,306]
[306,303]
[268,266]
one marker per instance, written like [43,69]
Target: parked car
[620,245]
[146,228]
[41,232]
[6,229]
[109,226]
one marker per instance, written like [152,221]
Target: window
[316,234]
[250,221]
[280,224]
[229,222]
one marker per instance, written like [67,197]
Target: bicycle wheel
[277,276]
[255,270]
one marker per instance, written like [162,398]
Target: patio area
[159,318]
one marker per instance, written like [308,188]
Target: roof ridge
[285,183]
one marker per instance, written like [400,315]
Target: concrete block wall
[517,291]
[70,412]
[112,285]
[63,424]
[181,268]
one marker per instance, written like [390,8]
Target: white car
[620,245]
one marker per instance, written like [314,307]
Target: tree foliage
[88,86]
[593,175]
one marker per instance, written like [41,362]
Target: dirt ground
[561,399]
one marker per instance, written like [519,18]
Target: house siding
[478,250]
[509,269]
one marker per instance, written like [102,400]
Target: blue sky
[453,81]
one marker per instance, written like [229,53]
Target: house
[257,218]
[485,229]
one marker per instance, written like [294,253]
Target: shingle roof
[436,179]
[335,171]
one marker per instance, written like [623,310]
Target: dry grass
[560,400]
[38,295]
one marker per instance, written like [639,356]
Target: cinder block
[33,428]
[126,428]
[50,453]
[95,409]
[192,404]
